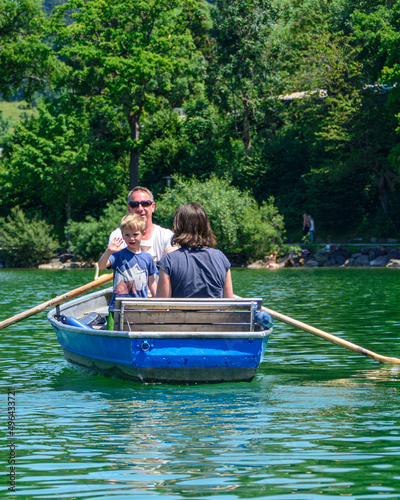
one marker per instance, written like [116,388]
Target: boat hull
[160,357]
[150,360]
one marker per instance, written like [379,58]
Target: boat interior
[164,315]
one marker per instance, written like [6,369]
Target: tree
[65,162]
[244,72]
[346,127]
[315,154]
[239,223]
[197,143]
[135,55]
[25,60]
[89,238]
[49,5]
[370,127]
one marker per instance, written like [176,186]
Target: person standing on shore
[272,264]
[311,228]
[306,224]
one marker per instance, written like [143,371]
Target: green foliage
[4,126]
[60,162]
[239,224]
[197,142]
[26,242]
[136,55]
[49,5]
[14,112]
[89,238]
[124,66]
[331,154]
[25,60]
[243,72]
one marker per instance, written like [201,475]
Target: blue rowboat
[180,341]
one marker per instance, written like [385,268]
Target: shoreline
[336,255]
[328,255]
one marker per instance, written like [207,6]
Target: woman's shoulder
[215,251]
[170,256]
[217,254]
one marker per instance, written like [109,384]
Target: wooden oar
[106,278]
[329,337]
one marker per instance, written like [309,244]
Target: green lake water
[317,422]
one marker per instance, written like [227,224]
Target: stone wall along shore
[338,256]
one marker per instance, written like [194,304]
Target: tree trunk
[134,153]
[382,190]
[133,168]
[246,128]
[68,215]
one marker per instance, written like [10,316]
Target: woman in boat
[195,269]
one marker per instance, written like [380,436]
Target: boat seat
[184,315]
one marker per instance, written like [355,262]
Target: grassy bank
[15,111]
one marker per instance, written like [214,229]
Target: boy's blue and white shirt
[131,274]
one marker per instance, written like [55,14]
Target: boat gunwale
[156,334]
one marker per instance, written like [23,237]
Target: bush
[26,242]
[240,225]
[89,239]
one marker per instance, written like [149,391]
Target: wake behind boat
[181,341]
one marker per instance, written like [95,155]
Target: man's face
[145,212]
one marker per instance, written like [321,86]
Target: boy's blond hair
[132,221]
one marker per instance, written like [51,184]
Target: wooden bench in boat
[186,315]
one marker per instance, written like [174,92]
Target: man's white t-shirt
[155,246]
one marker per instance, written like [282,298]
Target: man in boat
[156,239]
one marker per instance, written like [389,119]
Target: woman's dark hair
[192,227]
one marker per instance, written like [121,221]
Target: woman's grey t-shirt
[197,273]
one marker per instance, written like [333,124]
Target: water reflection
[384,373]
[317,422]
[200,440]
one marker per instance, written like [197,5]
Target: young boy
[134,270]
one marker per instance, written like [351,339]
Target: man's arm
[167,235]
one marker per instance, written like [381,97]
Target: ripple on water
[317,422]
